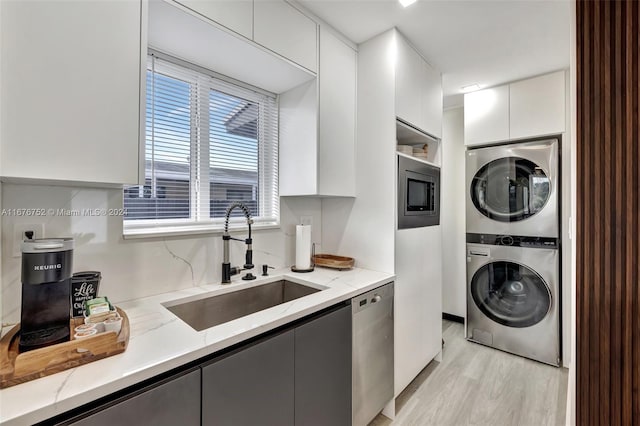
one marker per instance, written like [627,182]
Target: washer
[513,295]
[513,189]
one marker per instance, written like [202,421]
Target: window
[209,142]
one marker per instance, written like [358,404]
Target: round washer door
[510,189]
[510,294]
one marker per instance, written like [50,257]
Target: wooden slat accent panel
[608,173]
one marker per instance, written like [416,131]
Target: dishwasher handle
[372,298]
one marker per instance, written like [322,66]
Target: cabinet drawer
[176,402]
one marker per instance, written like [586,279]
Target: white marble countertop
[160,341]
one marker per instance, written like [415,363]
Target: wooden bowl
[333,261]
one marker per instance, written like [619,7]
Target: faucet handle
[248,260]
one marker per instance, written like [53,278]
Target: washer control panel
[514,240]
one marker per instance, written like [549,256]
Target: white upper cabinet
[409,84]
[318,127]
[418,90]
[237,15]
[71,91]
[486,116]
[432,101]
[527,108]
[282,28]
[337,130]
[537,106]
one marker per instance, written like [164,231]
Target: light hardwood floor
[477,385]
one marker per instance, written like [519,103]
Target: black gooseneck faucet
[227,270]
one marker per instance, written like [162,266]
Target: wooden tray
[332,261]
[16,368]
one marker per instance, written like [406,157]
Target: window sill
[203,230]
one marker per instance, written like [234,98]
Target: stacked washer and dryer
[513,249]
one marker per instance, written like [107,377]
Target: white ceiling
[470,41]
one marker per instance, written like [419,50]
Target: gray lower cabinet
[323,370]
[253,386]
[174,402]
[298,376]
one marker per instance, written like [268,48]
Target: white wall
[452,217]
[140,267]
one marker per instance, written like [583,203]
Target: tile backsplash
[133,268]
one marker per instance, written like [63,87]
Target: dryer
[513,295]
[513,189]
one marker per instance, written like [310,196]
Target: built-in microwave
[418,193]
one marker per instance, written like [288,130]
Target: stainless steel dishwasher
[372,372]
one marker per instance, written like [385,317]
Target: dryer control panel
[514,240]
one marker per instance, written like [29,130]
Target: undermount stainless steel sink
[214,310]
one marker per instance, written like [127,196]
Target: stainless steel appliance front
[513,189]
[513,295]
[372,374]
[418,193]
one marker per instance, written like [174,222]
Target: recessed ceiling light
[471,88]
[406,3]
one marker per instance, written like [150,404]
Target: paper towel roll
[303,246]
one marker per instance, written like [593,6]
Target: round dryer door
[510,189]
[510,294]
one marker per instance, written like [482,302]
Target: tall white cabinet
[318,126]
[71,90]
[418,90]
[365,227]
[337,115]
[417,254]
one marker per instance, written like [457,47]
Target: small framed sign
[84,286]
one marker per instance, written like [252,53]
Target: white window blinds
[209,142]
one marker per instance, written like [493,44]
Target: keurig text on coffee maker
[46,283]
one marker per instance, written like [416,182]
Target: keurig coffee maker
[46,283]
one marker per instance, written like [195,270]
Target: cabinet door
[432,100]
[486,116]
[284,29]
[417,301]
[71,90]
[432,296]
[337,116]
[323,370]
[237,15]
[298,138]
[176,402]
[409,84]
[537,106]
[253,386]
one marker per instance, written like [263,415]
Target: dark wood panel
[608,164]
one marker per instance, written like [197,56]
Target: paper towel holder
[313,265]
